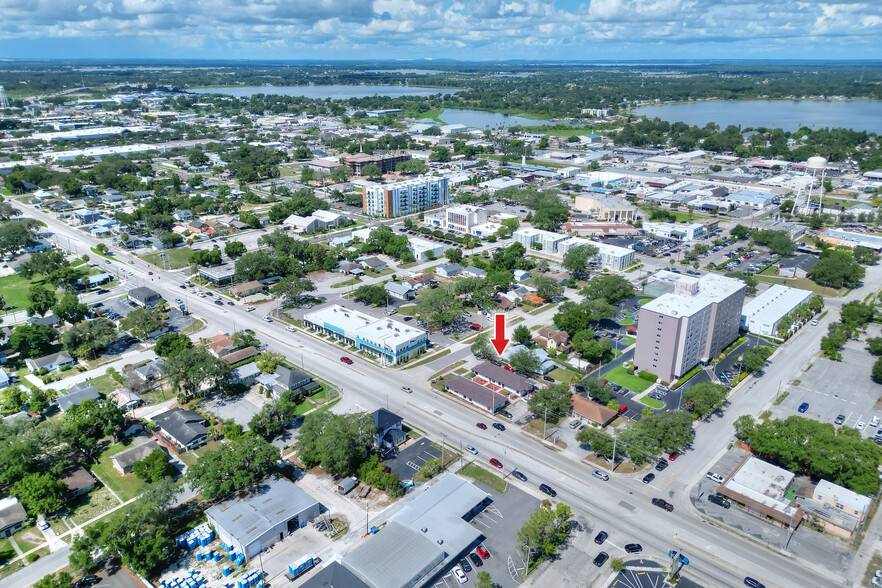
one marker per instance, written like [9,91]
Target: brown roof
[592,411]
[77,479]
[247,286]
[241,354]
[220,342]
[560,337]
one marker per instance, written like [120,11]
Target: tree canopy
[612,288]
[232,467]
[339,443]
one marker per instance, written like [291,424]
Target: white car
[861,425]
[267,319]
[471,450]
[814,323]
[249,309]
[407,389]
[290,329]
[715,477]
[459,575]
[43,525]
[601,475]
[874,422]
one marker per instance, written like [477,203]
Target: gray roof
[475,392]
[805,262]
[54,358]
[399,288]
[385,419]
[143,294]
[420,539]
[246,371]
[290,378]
[11,513]
[275,501]
[184,425]
[76,396]
[134,454]
[503,376]
[334,575]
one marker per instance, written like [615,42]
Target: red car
[346,360]
[674,456]
[481,426]
[496,463]
[508,368]
[483,553]
[623,408]
[475,327]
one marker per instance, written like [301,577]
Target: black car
[506,414]
[661,503]
[499,426]
[648,478]
[839,420]
[601,537]
[519,476]
[601,559]
[662,465]
[548,378]
[476,559]
[633,548]
[748,581]
[719,500]
[90,580]
[545,488]
[464,564]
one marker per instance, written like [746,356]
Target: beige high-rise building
[690,325]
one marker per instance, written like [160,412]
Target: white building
[464,218]
[678,231]
[555,246]
[405,197]
[501,183]
[424,249]
[392,341]
[762,314]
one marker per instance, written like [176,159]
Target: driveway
[239,408]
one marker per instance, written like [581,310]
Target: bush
[64,368]
[32,557]
[648,376]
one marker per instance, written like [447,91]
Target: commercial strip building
[839,510]
[851,239]
[418,544]
[762,314]
[760,488]
[404,197]
[392,341]
[556,246]
[267,514]
[690,325]
[678,231]
[474,393]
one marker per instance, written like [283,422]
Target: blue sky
[427,29]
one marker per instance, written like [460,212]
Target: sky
[470,30]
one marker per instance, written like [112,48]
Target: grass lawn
[564,374]
[643,301]
[529,161]
[652,402]
[429,359]
[629,341]
[126,487]
[6,551]
[475,472]
[626,322]
[104,384]
[15,291]
[32,533]
[176,258]
[802,283]
[349,282]
[874,564]
[407,310]
[543,308]
[572,132]
[304,406]
[190,457]
[621,377]
[96,502]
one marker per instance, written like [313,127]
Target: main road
[621,505]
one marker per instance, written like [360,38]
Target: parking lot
[641,577]
[854,395]
[406,463]
[500,522]
[240,408]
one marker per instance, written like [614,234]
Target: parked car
[346,360]
[648,478]
[839,419]
[600,475]
[89,580]
[496,463]
[548,379]
[546,489]
[43,525]
[661,466]
[661,503]
[465,565]
[601,559]
[471,449]
[719,499]
[674,456]
[249,309]
[601,537]
[459,575]
[506,414]
[290,329]
[574,424]
[483,552]
[633,548]
[804,407]
[715,477]
[476,561]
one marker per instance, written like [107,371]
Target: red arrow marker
[499,341]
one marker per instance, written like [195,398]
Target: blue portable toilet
[240,560]
[232,556]
[198,556]
[302,525]
[226,570]
[223,545]
[191,542]
[217,556]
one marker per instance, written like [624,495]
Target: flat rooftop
[694,295]
[764,483]
[358,324]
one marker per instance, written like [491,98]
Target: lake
[336,92]
[789,115]
[481,119]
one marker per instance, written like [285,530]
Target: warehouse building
[270,511]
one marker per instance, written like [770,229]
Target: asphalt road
[718,558]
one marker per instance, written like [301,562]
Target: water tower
[815,166]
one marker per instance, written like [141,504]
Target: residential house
[284,379]
[75,396]
[240,354]
[420,281]
[586,409]
[87,216]
[182,215]
[50,362]
[521,275]
[125,460]
[145,297]
[473,272]
[12,517]
[449,270]
[558,341]
[5,380]
[247,288]
[221,345]
[185,428]
[350,268]
[798,266]
[400,290]
[839,510]
[78,481]
[245,374]
[373,263]
[390,432]
[125,398]
[150,372]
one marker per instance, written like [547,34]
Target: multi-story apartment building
[405,197]
[688,326]
[386,162]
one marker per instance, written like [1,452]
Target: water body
[480,119]
[406,71]
[789,115]
[336,92]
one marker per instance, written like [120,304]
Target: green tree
[195,371]
[875,345]
[555,398]
[232,467]
[481,348]
[739,231]
[412,166]
[234,249]
[545,531]
[269,361]
[372,171]
[600,392]
[32,340]
[865,256]
[522,335]
[617,564]
[206,257]
[591,348]
[143,321]
[291,289]
[439,308]
[87,339]
[307,174]
[38,401]
[856,313]
[41,300]
[15,236]
[748,279]
[877,370]
[837,269]
[12,398]
[70,309]
[453,254]
[43,262]
[154,467]
[40,493]
[755,358]
[341,174]
[573,317]
[268,422]
[338,443]
[705,397]
[245,339]
[372,293]
[58,580]
[484,580]
[546,287]
[524,360]
[170,344]
[601,442]
[577,258]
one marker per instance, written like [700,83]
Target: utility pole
[615,441]
[544,423]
